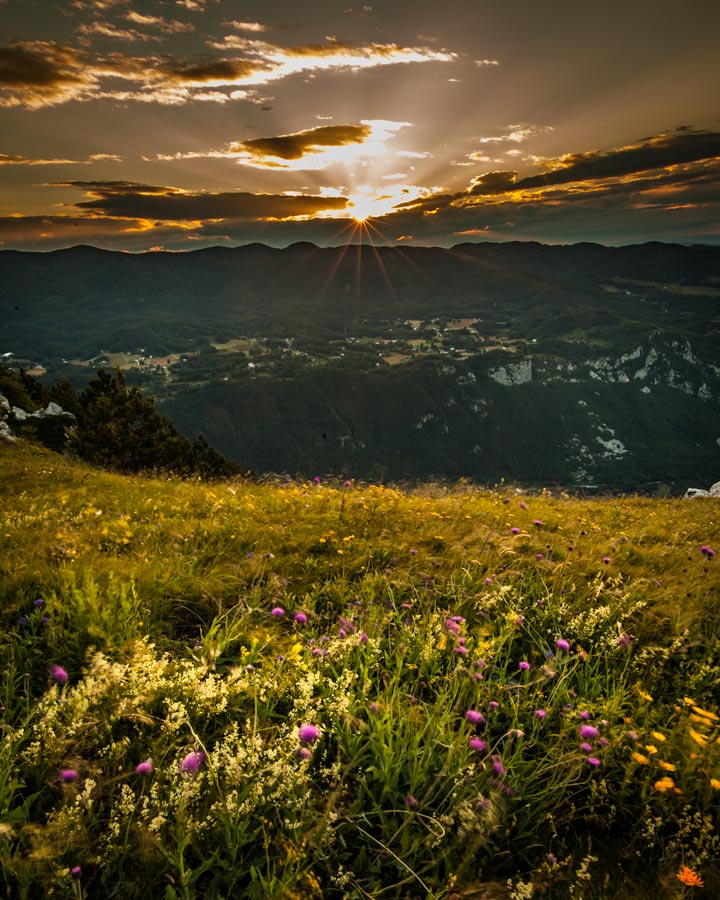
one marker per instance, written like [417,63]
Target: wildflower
[707,551]
[562,644]
[300,618]
[493,704]
[715,783]
[192,762]
[584,714]
[537,523]
[651,748]
[593,761]
[373,708]
[624,640]
[413,552]
[59,674]
[538,556]
[514,530]
[308,734]
[699,739]
[606,560]
[411,802]
[588,731]
[658,737]
[462,651]
[76,871]
[316,479]
[498,767]
[524,665]
[68,775]
[523,504]
[705,714]
[342,634]
[277,611]
[475,717]
[39,603]
[687,876]
[144,768]
[669,767]
[603,742]
[540,714]
[363,637]
[586,748]
[478,745]
[488,581]
[639,758]
[664,784]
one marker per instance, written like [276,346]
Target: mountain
[578,364]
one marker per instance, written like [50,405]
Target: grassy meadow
[281,691]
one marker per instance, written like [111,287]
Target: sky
[181,124]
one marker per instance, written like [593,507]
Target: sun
[362,206]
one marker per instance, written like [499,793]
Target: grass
[514,695]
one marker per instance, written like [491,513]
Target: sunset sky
[180,124]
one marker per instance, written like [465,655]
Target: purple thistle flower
[413,552]
[308,734]
[537,523]
[460,650]
[475,717]
[588,731]
[603,742]
[39,603]
[524,665]
[538,556]
[625,640]
[144,768]
[586,748]
[477,744]
[523,504]
[514,530]
[411,802]
[68,775]
[584,714]
[76,871]
[540,714]
[348,483]
[594,761]
[191,763]
[59,674]
[498,767]
[562,644]
[607,560]
[300,618]
[363,637]
[488,580]
[316,479]
[277,611]
[342,634]
[303,753]
[373,708]
[493,704]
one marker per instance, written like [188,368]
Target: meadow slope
[306,690]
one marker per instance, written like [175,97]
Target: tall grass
[510,696]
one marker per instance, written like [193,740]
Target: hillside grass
[510,695]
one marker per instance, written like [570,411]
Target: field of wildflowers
[350,691]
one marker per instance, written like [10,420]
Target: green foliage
[395,614]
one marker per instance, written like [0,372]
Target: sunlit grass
[514,695]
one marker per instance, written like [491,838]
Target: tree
[119,428]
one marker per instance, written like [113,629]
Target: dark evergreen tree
[119,428]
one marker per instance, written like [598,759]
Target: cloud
[487,62]
[516,134]
[255,27]
[105,29]
[40,73]
[36,74]
[8,160]
[168,26]
[316,148]
[131,200]
[301,143]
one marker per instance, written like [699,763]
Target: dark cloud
[297,145]
[37,73]
[222,71]
[651,153]
[125,199]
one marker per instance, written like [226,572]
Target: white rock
[19,414]
[715,489]
[5,432]
[691,493]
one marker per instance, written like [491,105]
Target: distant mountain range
[567,365]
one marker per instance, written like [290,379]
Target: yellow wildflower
[664,784]
[650,748]
[689,701]
[706,714]
[638,757]
[658,736]
[715,782]
[699,739]
[669,767]
[644,695]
